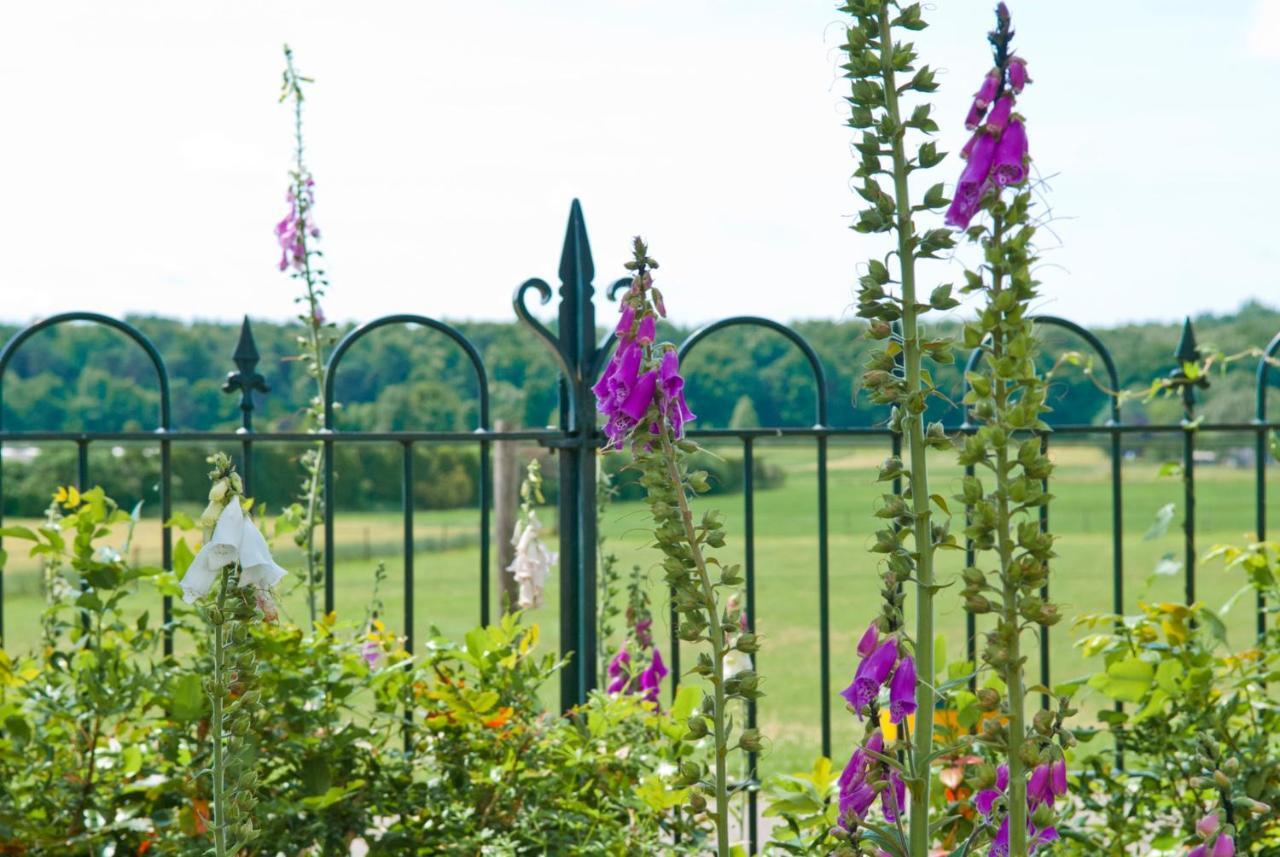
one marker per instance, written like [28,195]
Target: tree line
[91,378]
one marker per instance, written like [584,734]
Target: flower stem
[1012,642]
[721,815]
[914,428]
[216,697]
[315,345]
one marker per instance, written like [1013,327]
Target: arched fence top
[331,368]
[815,364]
[1264,375]
[1108,362]
[162,373]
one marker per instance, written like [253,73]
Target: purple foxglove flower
[1018,73]
[855,770]
[1049,834]
[644,636]
[974,117]
[620,376]
[893,800]
[1225,846]
[969,190]
[647,330]
[641,396]
[652,676]
[870,637]
[871,675]
[856,801]
[1000,844]
[1198,851]
[1002,777]
[625,321]
[371,652]
[985,801]
[619,669]
[987,92]
[967,148]
[1010,161]
[902,691]
[999,115]
[1058,778]
[1038,789]
[673,404]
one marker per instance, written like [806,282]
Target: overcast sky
[145,157]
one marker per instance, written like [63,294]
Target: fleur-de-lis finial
[246,378]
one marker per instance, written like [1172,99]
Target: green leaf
[182,557]
[1128,680]
[187,699]
[1160,526]
[180,521]
[18,533]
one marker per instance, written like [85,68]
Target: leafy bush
[1198,728]
[103,738]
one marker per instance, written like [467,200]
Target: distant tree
[744,414]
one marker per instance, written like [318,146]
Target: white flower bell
[532,564]
[234,539]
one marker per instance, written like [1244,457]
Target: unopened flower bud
[697,728]
[988,698]
[215,615]
[977,604]
[751,741]
[1043,816]
[697,802]
[1043,722]
[1221,780]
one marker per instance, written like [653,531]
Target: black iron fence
[580,356]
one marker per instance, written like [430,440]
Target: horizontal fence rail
[580,355]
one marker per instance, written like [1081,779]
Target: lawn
[447,568]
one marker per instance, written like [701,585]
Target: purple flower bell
[1010,162]
[871,675]
[902,691]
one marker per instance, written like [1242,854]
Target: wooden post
[506,504]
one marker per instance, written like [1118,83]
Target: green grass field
[447,568]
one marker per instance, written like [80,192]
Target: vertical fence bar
[1117,539]
[406,503]
[166,533]
[749,563]
[2,643]
[824,595]
[1188,353]
[1260,456]
[1044,590]
[578,465]
[328,448]
[486,596]
[82,482]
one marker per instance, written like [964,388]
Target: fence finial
[246,379]
[576,256]
[1187,353]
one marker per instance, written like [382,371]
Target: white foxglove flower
[736,662]
[532,564]
[234,539]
